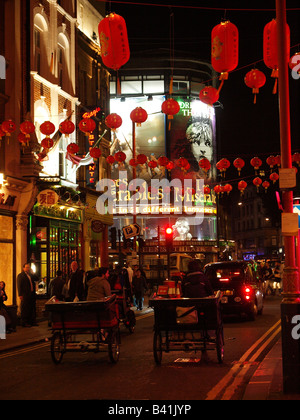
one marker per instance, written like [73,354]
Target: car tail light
[248,292]
[224,279]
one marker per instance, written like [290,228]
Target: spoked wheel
[157,347]
[114,346]
[220,345]
[57,347]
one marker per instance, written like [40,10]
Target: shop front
[55,237]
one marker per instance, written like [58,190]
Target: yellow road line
[238,371]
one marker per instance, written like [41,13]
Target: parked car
[241,288]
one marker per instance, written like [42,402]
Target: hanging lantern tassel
[255,91]
[275,75]
[222,78]
[118,85]
[171,86]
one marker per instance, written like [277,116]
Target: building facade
[45,190]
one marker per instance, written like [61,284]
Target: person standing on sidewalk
[76,290]
[139,286]
[26,290]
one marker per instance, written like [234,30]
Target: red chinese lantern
[242,185]
[296,158]
[204,164]
[222,165]
[120,157]
[113,121]
[73,148]
[2,134]
[257,182]
[47,128]
[47,143]
[224,49]
[294,63]
[255,79]
[256,163]
[271,161]
[209,95]
[239,164]
[266,185]
[22,139]
[182,163]
[110,159]
[66,127]
[87,125]
[170,107]
[270,52]
[8,127]
[114,41]
[138,116]
[152,164]
[227,188]
[278,160]
[218,189]
[133,162]
[170,166]
[206,189]
[274,177]
[163,161]
[141,159]
[27,128]
[95,153]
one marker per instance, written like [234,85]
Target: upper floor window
[41,58]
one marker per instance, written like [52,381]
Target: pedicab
[84,326]
[187,324]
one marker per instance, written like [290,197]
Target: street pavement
[266,382]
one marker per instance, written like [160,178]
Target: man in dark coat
[57,285]
[26,290]
[196,284]
[76,288]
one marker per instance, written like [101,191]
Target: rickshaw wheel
[220,346]
[157,347]
[114,346]
[57,347]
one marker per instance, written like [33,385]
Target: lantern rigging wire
[199,7]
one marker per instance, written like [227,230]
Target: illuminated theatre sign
[161,198]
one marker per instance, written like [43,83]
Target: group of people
[99,283]
[272,276]
[90,285]
[94,285]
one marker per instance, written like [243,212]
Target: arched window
[63,60]
[40,55]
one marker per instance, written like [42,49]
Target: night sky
[245,129]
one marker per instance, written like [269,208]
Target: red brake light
[224,279]
[248,292]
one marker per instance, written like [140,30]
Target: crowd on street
[101,282]
[272,275]
[79,286]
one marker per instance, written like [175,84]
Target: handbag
[186,315]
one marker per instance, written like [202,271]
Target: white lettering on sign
[296,329]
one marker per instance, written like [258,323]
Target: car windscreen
[224,277]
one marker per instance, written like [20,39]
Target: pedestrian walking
[26,289]
[139,286]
